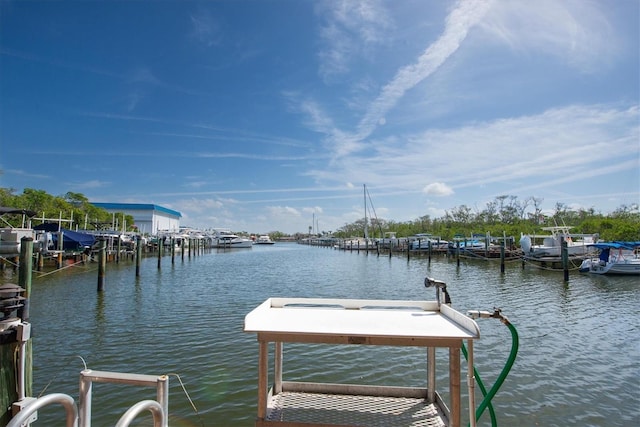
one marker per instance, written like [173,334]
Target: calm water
[578,362]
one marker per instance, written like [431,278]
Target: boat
[11,236]
[620,258]
[551,246]
[425,241]
[358,244]
[264,240]
[224,238]
[364,242]
[72,241]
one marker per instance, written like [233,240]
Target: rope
[534,264]
[184,389]
[62,268]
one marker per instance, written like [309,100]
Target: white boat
[615,258]
[424,241]
[10,236]
[577,244]
[226,239]
[264,240]
[358,244]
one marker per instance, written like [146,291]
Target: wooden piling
[138,255]
[565,260]
[102,262]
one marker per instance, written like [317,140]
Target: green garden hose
[488,396]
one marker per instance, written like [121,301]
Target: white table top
[360,318]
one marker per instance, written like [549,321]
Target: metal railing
[80,415]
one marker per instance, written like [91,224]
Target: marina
[577,363]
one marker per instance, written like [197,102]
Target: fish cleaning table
[360,322]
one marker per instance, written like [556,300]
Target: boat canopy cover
[73,240]
[615,245]
[5,210]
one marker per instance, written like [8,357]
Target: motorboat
[620,258]
[358,244]
[551,246]
[10,236]
[425,241]
[264,240]
[226,239]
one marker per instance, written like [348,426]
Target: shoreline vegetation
[504,215]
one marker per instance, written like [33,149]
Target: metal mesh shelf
[349,410]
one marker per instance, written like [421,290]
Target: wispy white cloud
[283,211]
[23,173]
[576,31]
[205,29]
[89,185]
[461,19]
[576,139]
[351,28]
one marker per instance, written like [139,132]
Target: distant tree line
[69,206]
[508,215]
[504,215]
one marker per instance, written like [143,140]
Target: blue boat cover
[72,240]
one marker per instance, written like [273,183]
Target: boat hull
[10,239]
[233,244]
[623,268]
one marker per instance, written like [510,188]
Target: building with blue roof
[149,218]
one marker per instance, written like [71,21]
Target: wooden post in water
[504,242]
[119,248]
[138,254]
[458,253]
[102,262]
[565,259]
[429,250]
[40,260]
[160,248]
[173,249]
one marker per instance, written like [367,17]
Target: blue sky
[263,115]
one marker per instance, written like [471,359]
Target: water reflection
[577,365]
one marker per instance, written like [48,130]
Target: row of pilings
[506,252]
[114,251]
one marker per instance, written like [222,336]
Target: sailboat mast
[366,231]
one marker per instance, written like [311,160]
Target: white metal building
[148,218]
